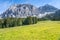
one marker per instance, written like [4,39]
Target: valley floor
[43,30]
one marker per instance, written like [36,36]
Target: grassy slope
[44,30]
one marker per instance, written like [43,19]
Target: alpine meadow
[44,30]
[29,19]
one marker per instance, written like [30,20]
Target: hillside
[44,30]
[54,16]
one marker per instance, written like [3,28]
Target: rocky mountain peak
[47,8]
[20,10]
[24,10]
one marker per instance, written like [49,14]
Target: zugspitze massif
[24,10]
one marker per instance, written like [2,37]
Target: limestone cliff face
[24,10]
[20,10]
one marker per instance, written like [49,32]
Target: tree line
[13,22]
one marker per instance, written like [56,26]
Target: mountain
[54,16]
[24,10]
[20,11]
[47,8]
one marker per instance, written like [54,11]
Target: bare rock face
[24,10]
[20,11]
[47,8]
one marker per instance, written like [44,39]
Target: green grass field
[44,30]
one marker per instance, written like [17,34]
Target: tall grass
[44,30]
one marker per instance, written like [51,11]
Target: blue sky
[5,4]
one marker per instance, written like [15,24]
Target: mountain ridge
[24,10]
